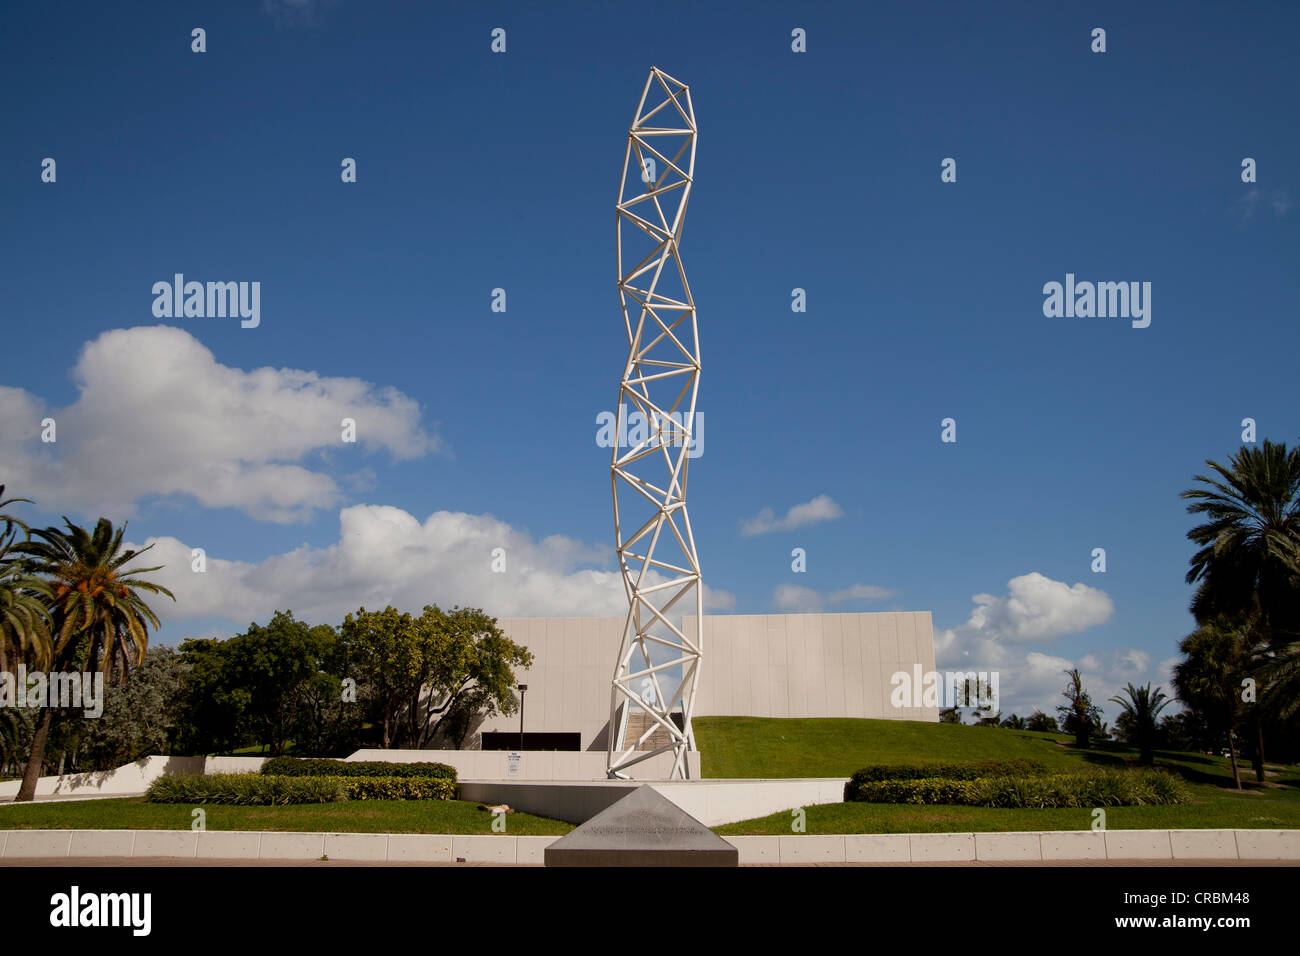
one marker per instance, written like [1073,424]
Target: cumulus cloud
[821,508]
[1039,609]
[157,414]
[794,597]
[385,555]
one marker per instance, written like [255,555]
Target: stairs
[638,722]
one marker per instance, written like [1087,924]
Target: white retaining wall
[534,765]
[131,779]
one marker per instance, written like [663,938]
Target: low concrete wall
[715,802]
[712,802]
[575,802]
[1043,846]
[259,845]
[534,764]
[863,848]
[127,780]
[131,779]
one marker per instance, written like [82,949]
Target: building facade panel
[755,665]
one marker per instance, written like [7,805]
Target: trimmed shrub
[256,789]
[245,789]
[1092,788]
[924,790]
[325,767]
[970,770]
[397,788]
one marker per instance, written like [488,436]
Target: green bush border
[328,767]
[256,789]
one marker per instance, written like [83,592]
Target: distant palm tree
[1250,545]
[1142,708]
[1079,716]
[1218,656]
[99,619]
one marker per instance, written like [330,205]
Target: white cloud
[384,555]
[156,414]
[821,508]
[1035,609]
[794,597]
[1038,608]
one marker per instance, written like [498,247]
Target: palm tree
[1248,548]
[24,616]
[1142,708]
[24,612]
[100,621]
[1079,716]
[9,520]
[1218,656]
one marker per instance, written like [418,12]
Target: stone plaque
[644,828]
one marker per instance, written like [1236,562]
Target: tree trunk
[36,759]
[1259,749]
[1232,755]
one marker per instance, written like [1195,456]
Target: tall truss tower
[652,531]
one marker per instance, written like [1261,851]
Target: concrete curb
[272,845]
[1047,846]
[1043,846]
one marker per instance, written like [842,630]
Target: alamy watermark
[978,689]
[1101,300]
[60,689]
[631,429]
[212,300]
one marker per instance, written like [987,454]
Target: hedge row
[255,789]
[1093,788]
[325,767]
[969,770]
[245,789]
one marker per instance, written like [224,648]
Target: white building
[755,665]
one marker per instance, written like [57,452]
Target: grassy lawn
[737,747]
[750,747]
[743,747]
[360,816]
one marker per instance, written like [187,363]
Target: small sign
[513,762]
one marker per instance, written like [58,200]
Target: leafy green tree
[1014,723]
[1139,713]
[1041,722]
[419,671]
[100,620]
[1079,716]
[950,715]
[212,718]
[140,717]
[270,671]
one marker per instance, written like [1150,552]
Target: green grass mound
[326,767]
[1093,788]
[266,790]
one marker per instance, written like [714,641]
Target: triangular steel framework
[652,530]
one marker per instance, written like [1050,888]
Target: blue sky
[816,170]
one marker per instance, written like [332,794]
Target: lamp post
[521,688]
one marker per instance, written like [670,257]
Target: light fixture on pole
[521,688]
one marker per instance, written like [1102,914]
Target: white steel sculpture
[656,549]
